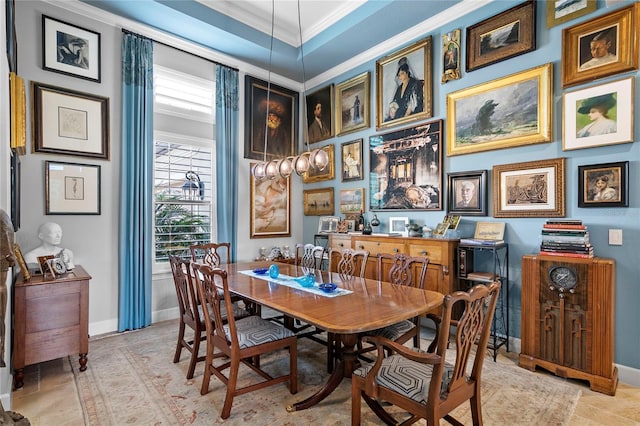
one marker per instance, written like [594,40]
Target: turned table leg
[83,361]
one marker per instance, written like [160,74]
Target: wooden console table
[50,319]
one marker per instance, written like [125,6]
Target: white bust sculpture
[50,234]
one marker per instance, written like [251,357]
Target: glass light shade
[271,169]
[301,163]
[319,158]
[259,171]
[285,167]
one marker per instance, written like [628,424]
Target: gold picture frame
[415,61]
[529,189]
[353,104]
[352,200]
[506,124]
[270,207]
[617,34]
[322,128]
[559,12]
[21,262]
[318,202]
[316,175]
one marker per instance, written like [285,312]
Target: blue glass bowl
[261,271]
[274,271]
[306,280]
[328,287]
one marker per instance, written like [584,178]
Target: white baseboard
[111,326]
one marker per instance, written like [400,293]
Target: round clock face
[563,277]
[58,266]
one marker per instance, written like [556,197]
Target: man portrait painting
[598,49]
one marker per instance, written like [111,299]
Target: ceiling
[335,34]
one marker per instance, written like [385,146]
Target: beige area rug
[131,379]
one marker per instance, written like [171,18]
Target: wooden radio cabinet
[568,318]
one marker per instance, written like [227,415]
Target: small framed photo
[353,102]
[328,224]
[351,200]
[503,36]
[404,91]
[398,225]
[270,207]
[318,202]
[351,225]
[441,229]
[24,269]
[69,49]
[529,189]
[451,56]
[561,11]
[603,46]
[316,175]
[319,106]
[70,123]
[453,220]
[597,116]
[352,161]
[72,188]
[603,185]
[467,193]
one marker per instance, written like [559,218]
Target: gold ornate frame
[262,202]
[553,20]
[324,97]
[318,202]
[345,98]
[315,175]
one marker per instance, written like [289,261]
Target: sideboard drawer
[339,242]
[375,247]
[432,251]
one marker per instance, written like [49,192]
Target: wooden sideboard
[568,311]
[50,319]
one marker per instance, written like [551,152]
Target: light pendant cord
[266,120]
[304,82]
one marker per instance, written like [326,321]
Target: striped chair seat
[254,331]
[393,332]
[407,377]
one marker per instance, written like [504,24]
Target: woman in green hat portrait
[599,123]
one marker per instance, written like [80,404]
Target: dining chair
[428,385]
[309,256]
[212,254]
[241,341]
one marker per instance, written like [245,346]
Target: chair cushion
[408,378]
[393,332]
[238,312]
[254,331]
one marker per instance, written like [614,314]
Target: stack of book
[565,237]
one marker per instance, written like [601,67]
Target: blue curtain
[136,184]
[227,155]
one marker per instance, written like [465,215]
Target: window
[183,162]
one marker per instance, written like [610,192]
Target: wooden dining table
[369,305]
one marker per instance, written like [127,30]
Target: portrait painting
[467,193]
[352,200]
[352,161]
[451,56]
[319,107]
[599,115]
[560,11]
[404,91]
[270,207]
[271,120]
[353,100]
[603,185]
[598,48]
[406,168]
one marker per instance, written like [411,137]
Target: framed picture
[351,225]
[352,161]
[270,207]
[603,185]
[69,49]
[491,115]
[503,36]
[72,188]
[24,269]
[320,114]
[318,202]
[467,193]
[316,175]
[489,231]
[70,123]
[451,56]
[328,224]
[273,110]
[403,90]
[529,189]
[398,225]
[453,220]
[351,200]
[560,11]
[353,99]
[597,116]
[441,229]
[600,47]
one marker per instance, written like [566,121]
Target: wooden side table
[50,319]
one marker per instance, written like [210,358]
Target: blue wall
[523,234]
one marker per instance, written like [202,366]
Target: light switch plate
[615,237]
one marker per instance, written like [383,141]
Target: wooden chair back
[347,262]
[309,256]
[212,254]
[402,269]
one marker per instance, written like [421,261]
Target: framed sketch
[560,11]
[398,225]
[271,120]
[451,56]
[353,102]
[489,231]
[70,123]
[503,36]
[319,107]
[529,189]
[328,224]
[467,193]
[270,207]
[69,49]
[597,116]
[72,188]
[603,185]
[490,115]
[351,200]
[352,161]
[316,175]
[318,202]
[600,47]
[406,169]
[403,91]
